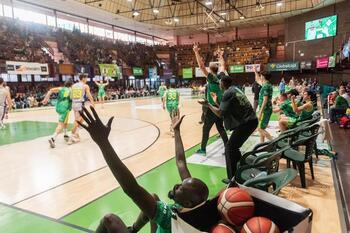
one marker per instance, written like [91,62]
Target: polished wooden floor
[55,182]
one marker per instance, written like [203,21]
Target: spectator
[339,108]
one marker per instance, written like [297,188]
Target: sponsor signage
[331,61]
[14,67]
[110,70]
[83,69]
[283,66]
[236,69]
[152,72]
[322,62]
[137,71]
[306,65]
[187,73]
[250,68]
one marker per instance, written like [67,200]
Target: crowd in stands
[339,102]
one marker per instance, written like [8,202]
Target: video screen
[321,28]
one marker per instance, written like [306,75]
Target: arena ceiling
[190,15]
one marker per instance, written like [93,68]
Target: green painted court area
[17,221]
[159,180]
[25,131]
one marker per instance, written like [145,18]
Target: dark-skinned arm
[99,133]
[179,150]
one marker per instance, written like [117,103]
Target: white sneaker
[52,143]
[73,139]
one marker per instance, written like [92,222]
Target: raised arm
[199,59]
[257,76]
[107,83]
[179,149]
[99,133]
[49,93]
[96,83]
[222,63]
[88,93]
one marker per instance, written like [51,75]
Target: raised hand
[97,130]
[214,96]
[196,48]
[176,121]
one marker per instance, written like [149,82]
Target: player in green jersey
[161,91]
[63,107]
[265,104]
[101,95]
[171,102]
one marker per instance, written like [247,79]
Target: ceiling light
[242,17]
[208,3]
[129,0]
[176,20]
[223,13]
[155,11]
[279,4]
[135,13]
[222,21]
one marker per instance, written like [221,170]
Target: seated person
[286,110]
[302,112]
[190,194]
[339,108]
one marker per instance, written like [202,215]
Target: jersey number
[77,93]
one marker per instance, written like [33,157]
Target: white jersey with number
[78,96]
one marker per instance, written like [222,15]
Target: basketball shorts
[291,122]
[172,108]
[101,94]
[63,117]
[77,107]
[265,119]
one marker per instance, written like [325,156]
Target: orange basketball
[260,225]
[236,206]
[222,228]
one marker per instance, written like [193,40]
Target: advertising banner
[322,62]
[152,73]
[83,69]
[283,66]
[250,68]
[306,65]
[137,71]
[331,61]
[110,70]
[236,69]
[199,73]
[67,69]
[187,73]
[14,67]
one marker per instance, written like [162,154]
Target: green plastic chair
[266,163]
[273,183]
[299,159]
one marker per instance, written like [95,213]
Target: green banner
[137,71]
[110,70]
[236,69]
[331,61]
[283,66]
[187,73]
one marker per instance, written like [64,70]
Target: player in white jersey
[7,105]
[4,97]
[79,91]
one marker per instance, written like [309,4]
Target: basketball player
[161,91]
[63,107]
[5,97]
[79,91]
[190,195]
[171,100]
[7,104]
[210,117]
[265,104]
[101,91]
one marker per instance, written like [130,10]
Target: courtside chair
[265,164]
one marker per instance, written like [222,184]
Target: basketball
[236,206]
[222,228]
[260,225]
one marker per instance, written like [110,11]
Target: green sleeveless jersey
[172,96]
[306,115]
[64,102]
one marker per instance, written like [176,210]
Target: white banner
[250,68]
[199,73]
[14,67]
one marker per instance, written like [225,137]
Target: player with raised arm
[265,104]
[190,194]
[101,95]
[79,91]
[63,107]
[5,102]
[212,87]
[171,101]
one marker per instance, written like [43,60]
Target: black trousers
[237,139]
[209,120]
[334,113]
